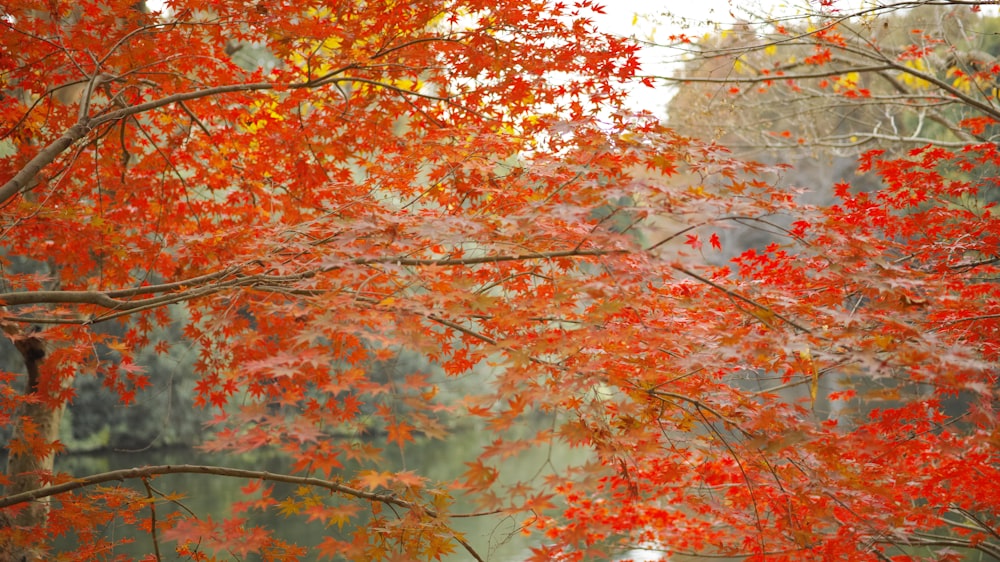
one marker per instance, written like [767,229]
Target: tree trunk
[34,421]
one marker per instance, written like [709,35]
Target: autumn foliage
[460,180]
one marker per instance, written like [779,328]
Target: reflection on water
[494,537]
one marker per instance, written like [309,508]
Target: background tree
[458,181]
[838,81]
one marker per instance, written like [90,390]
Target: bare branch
[768,77]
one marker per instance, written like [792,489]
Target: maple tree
[460,180]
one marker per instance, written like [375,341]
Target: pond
[494,537]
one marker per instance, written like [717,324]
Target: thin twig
[740,297]
[152,518]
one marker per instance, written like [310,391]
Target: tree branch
[142,473]
[78,131]
[232,278]
[740,297]
[770,77]
[24,177]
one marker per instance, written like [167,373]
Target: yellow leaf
[910,80]
[848,81]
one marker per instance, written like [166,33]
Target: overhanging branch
[121,300]
[25,176]
[148,471]
[145,472]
